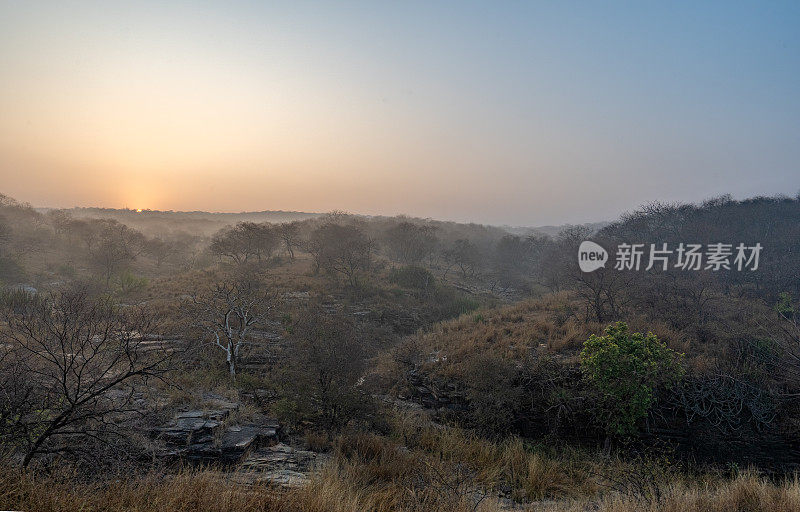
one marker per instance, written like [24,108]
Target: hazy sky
[525,113]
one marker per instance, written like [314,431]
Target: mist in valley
[399,257]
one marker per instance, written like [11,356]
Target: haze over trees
[474,357]
[246,241]
[341,249]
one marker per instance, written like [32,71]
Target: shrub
[327,359]
[623,369]
[128,282]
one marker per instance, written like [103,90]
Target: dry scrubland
[431,366]
[435,469]
[336,491]
[381,484]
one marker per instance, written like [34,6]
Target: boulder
[200,435]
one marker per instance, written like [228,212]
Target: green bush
[623,369]
[785,307]
[128,282]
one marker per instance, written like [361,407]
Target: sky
[520,113]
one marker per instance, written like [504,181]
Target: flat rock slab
[200,435]
[281,465]
[280,457]
[238,439]
[191,427]
[281,478]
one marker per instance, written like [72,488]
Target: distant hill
[196,222]
[155,222]
[553,231]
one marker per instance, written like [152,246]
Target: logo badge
[591,256]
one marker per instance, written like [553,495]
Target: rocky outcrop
[434,395]
[204,435]
[248,450]
[281,464]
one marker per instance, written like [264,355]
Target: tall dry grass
[373,474]
[419,467]
[340,487]
[746,493]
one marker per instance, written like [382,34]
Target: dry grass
[551,322]
[380,485]
[524,472]
[511,331]
[748,492]
[421,467]
[187,491]
[341,487]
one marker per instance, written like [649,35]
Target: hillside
[736,332]
[400,363]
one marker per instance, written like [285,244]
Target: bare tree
[118,246]
[290,236]
[158,249]
[329,358]
[244,241]
[232,243]
[83,230]
[411,243]
[60,220]
[464,255]
[227,315]
[70,366]
[789,336]
[265,240]
[337,217]
[343,250]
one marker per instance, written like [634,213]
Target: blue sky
[523,113]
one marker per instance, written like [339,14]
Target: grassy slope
[420,467]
